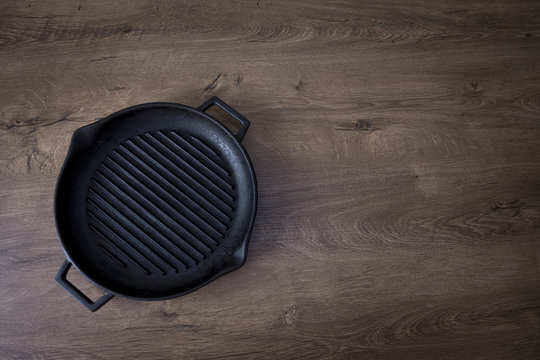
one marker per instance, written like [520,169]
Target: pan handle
[61,278]
[214,100]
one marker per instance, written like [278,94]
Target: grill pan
[155,201]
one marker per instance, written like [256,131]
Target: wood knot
[509,209]
[475,86]
[290,315]
[168,315]
[363,124]
[214,83]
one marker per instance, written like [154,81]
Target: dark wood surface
[397,150]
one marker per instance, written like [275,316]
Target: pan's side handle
[214,100]
[61,278]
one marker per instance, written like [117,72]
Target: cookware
[155,201]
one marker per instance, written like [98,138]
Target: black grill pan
[155,201]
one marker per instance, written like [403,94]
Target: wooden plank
[397,150]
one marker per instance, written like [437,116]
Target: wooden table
[397,150]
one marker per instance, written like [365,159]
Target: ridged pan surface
[155,201]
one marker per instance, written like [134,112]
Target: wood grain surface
[397,150]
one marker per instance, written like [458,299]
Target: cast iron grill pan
[155,201]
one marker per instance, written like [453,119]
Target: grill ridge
[133,243]
[156,172]
[199,190]
[199,157]
[168,213]
[211,157]
[153,247]
[158,214]
[140,184]
[117,247]
[110,254]
[147,219]
[161,200]
[165,189]
[203,147]
[187,167]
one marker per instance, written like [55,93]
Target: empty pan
[155,201]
